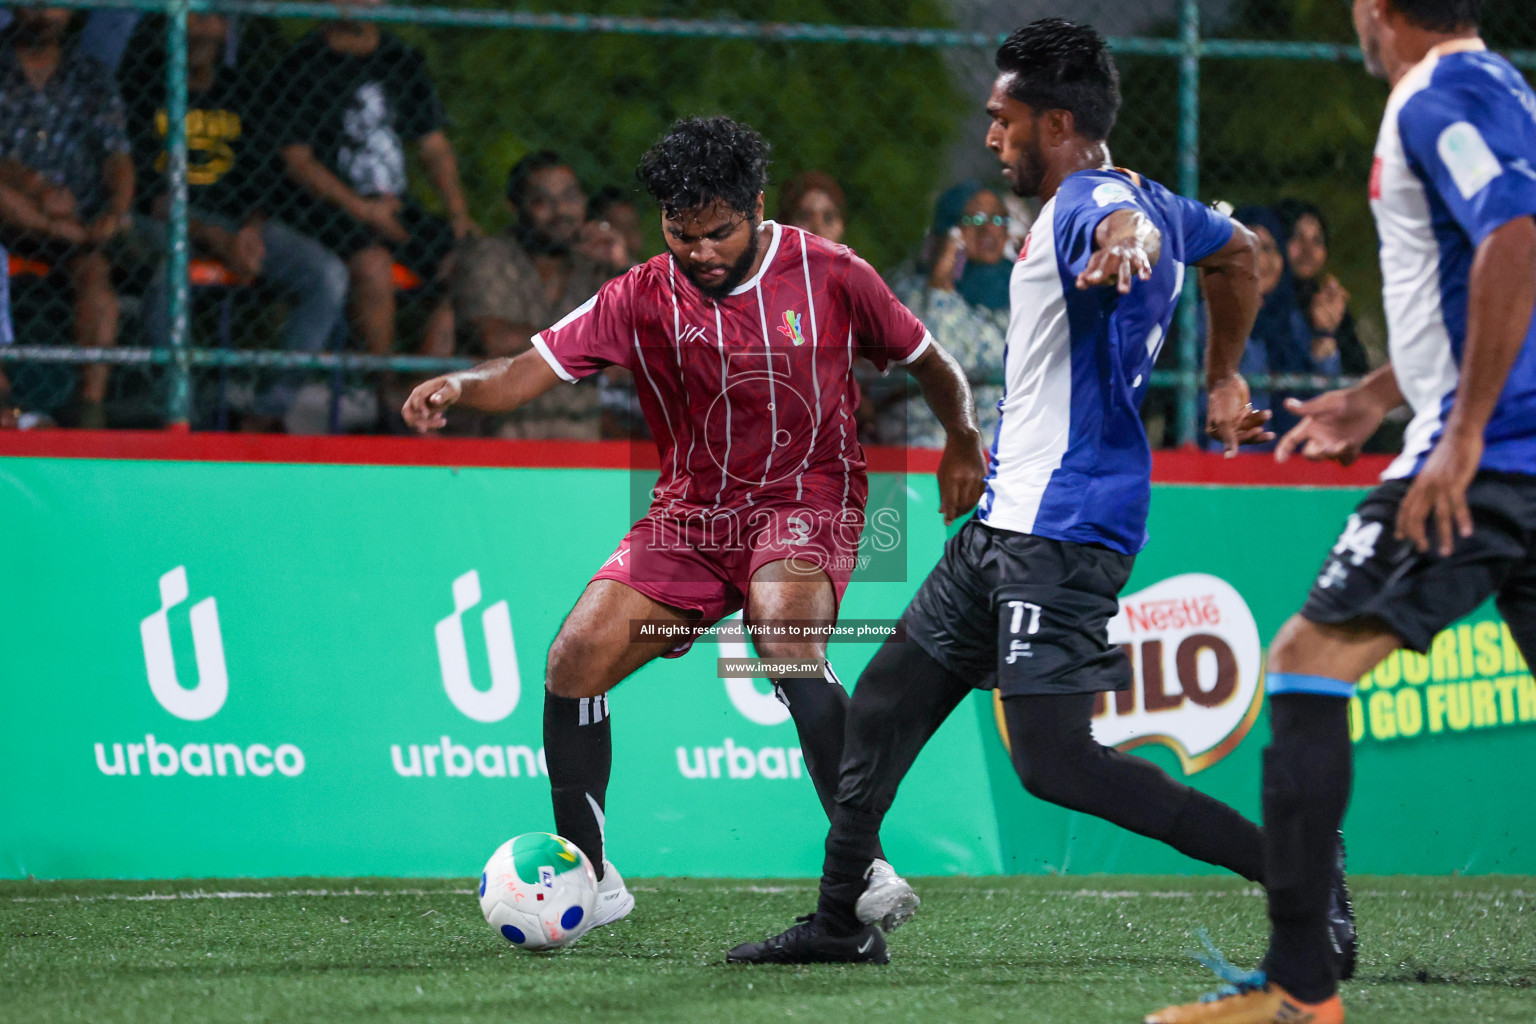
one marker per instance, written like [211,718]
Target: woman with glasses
[960,292]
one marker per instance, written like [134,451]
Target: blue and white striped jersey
[1455,160]
[1070,456]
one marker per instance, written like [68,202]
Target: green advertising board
[229,669]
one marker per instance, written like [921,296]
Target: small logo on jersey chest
[790,328]
[688,332]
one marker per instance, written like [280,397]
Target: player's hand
[1334,427]
[1121,264]
[427,407]
[1440,490]
[1231,419]
[962,475]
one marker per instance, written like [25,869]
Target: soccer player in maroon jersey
[741,338]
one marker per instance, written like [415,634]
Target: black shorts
[1023,614]
[1370,577]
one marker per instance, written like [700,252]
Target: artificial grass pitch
[1077,950]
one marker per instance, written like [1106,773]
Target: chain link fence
[371,194]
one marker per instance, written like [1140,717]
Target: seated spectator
[511,285]
[1322,299]
[356,96]
[9,414]
[1281,341]
[64,156]
[229,171]
[813,201]
[961,294]
[612,236]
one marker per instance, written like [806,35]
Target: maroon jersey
[751,397]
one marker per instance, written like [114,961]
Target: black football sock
[819,708]
[902,696]
[1058,760]
[578,748]
[1307,774]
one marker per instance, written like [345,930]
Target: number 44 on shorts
[1357,543]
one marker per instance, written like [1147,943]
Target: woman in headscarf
[1319,295]
[960,292]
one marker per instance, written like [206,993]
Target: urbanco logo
[453,655]
[446,758]
[1194,648]
[198,757]
[208,696]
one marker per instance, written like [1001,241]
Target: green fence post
[1189,185]
[179,410]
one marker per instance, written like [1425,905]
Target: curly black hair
[1441,15]
[1058,65]
[703,160]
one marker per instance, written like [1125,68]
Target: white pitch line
[289,893]
[1107,894]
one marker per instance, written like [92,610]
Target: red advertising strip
[1168,467]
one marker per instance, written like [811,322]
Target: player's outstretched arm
[499,385]
[1230,281]
[1335,425]
[963,466]
[1501,298]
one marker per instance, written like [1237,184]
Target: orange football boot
[1269,1004]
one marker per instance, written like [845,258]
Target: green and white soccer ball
[538,891]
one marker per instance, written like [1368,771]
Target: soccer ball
[538,891]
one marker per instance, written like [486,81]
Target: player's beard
[734,276]
[1028,170]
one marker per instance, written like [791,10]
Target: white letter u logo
[506,684]
[205,700]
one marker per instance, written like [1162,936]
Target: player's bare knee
[578,666]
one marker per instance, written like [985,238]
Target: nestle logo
[1173,613]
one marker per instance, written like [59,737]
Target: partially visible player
[741,337]
[1454,193]
[1022,597]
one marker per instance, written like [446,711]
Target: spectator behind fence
[960,292]
[9,414]
[613,237]
[229,175]
[64,151]
[355,96]
[533,274]
[813,201]
[1281,341]
[1322,299]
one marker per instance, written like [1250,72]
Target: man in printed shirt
[64,150]
[1453,190]
[742,338]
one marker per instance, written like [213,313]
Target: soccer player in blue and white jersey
[1022,597]
[1454,522]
